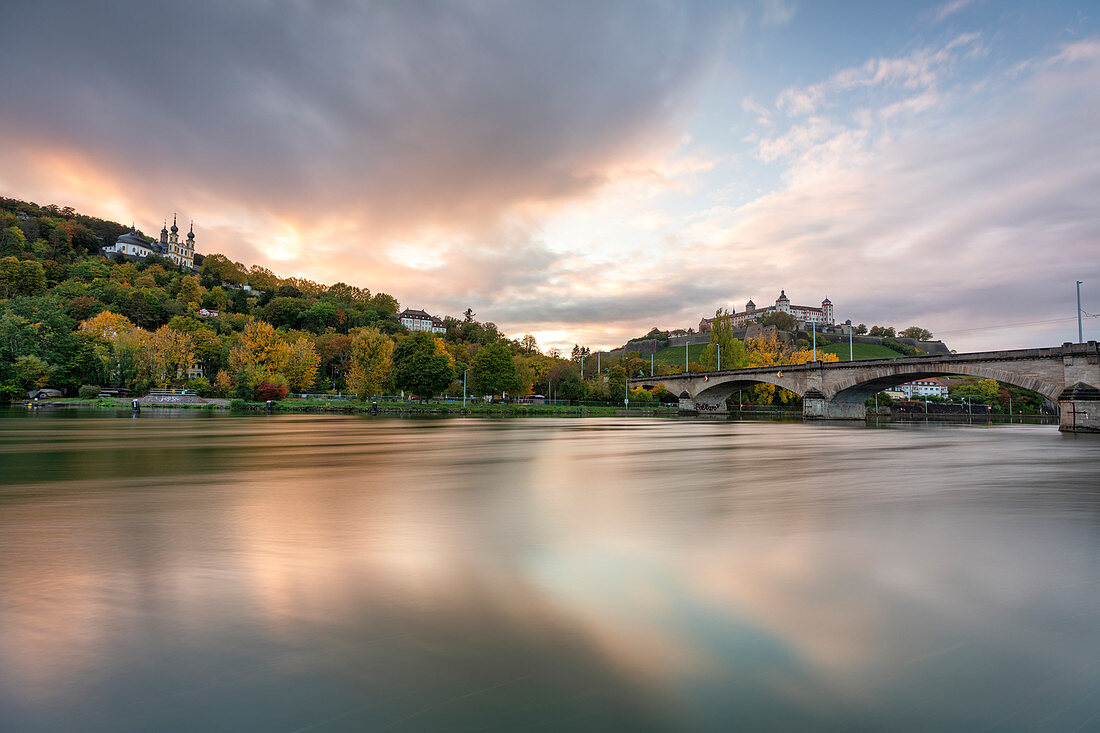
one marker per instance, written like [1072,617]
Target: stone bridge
[1068,374]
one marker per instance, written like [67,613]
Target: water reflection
[343,573]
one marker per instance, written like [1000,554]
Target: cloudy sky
[585,171]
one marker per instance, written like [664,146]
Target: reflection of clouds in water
[708,563]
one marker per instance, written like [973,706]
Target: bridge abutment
[1079,408]
[815,406]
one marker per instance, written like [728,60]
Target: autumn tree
[528,344]
[170,354]
[370,362]
[300,367]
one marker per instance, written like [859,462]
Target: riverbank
[348,407]
[413,408]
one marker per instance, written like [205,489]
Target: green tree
[32,372]
[12,241]
[568,385]
[782,321]
[21,277]
[916,332]
[616,382]
[723,343]
[422,365]
[493,370]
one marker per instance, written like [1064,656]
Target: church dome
[132,237]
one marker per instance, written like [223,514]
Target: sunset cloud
[581,171]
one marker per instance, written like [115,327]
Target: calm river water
[184,571]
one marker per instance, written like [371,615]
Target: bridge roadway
[1068,374]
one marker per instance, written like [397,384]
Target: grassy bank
[860,351]
[674,355]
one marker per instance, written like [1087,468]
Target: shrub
[238,405]
[268,391]
[9,392]
[88,391]
[900,347]
[201,385]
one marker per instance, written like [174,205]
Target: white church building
[132,244]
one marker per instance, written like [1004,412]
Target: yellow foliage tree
[302,361]
[170,354]
[106,325]
[191,291]
[371,362]
[260,347]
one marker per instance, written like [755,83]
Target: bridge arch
[859,389]
[722,390]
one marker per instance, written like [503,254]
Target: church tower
[164,235]
[174,237]
[187,252]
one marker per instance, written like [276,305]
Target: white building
[823,316]
[930,387]
[415,320]
[132,244]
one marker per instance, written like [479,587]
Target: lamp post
[719,355]
[685,357]
[813,328]
[651,364]
[1080,331]
[851,349]
[464,373]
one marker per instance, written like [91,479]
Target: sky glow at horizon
[585,172]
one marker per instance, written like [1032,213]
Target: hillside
[70,316]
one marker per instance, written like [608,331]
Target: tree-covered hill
[70,317]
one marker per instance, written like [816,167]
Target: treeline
[72,318]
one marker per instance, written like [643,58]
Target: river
[185,571]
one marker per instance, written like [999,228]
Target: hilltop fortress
[805,314]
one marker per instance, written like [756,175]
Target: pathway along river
[188,571]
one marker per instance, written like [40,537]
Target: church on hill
[134,246]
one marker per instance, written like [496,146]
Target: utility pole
[1080,331]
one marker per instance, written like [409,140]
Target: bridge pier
[1079,407]
[815,406]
